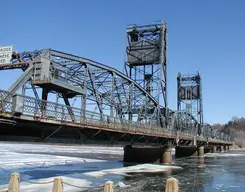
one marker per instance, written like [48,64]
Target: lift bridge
[60,95]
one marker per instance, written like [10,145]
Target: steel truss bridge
[63,95]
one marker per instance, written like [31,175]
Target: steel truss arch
[110,93]
[102,86]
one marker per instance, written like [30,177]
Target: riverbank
[236,147]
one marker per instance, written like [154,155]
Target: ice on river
[39,162]
[224,155]
[42,148]
[143,168]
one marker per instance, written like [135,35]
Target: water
[214,172]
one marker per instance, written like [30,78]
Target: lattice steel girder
[206,130]
[146,63]
[97,84]
[183,122]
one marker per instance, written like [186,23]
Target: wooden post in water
[172,185]
[109,186]
[58,185]
[14,183]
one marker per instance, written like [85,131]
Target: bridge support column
[201,151]
[147,154]
[221,148]
[214,149]
[167,156]
[218,148]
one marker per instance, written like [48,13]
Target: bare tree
[236,128]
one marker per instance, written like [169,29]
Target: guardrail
[59,185]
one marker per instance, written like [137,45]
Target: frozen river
[90,166]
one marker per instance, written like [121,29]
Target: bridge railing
[40,109]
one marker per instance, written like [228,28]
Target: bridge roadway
[22,118]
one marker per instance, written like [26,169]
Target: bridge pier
[164,154]
[226,148]
[147,154]
[201,151]
[214,149]
[167,156]
[185,151]
[221,148]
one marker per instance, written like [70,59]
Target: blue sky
[206,36]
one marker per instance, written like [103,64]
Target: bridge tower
[189,94]
[146,64]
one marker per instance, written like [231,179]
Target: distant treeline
[236,128]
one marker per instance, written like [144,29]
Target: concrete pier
[201,151]
[214,149]
[222,149]
[225,148]
[167,156]
[147,154]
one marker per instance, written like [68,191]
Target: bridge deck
[119,131]
[34,117]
